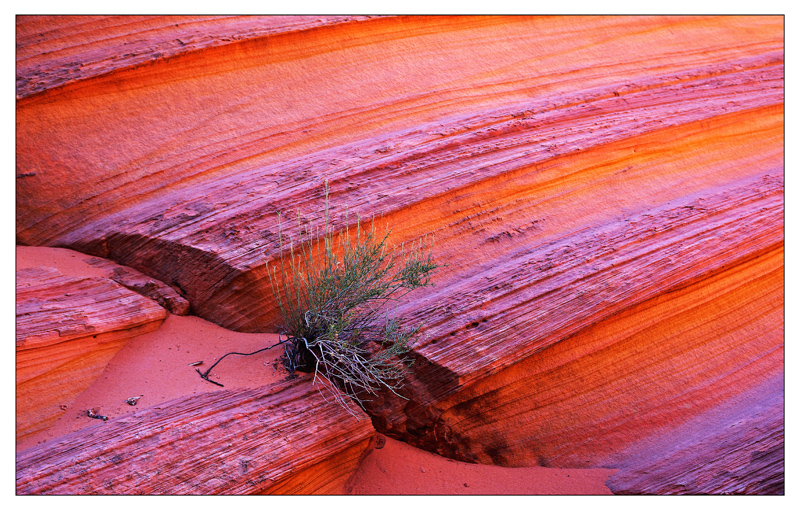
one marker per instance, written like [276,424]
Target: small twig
[91,413]
[204,375]
[133,400]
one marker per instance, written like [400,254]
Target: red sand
[393,467]
[156,366]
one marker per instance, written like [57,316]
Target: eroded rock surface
[737,448]
[67,329]
[142,284]
[606,191]
[55,50]
[243,441]
[633,389]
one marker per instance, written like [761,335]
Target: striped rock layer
[607,194]
[246,441]
[68,329]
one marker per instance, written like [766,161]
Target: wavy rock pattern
[601,396]
[736,449]
[226,442]
[148,287]
[583,176]
[67,330]
[56,50]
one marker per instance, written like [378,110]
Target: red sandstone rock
[68,328]
[218,229]
[735,449]
[243,441]
[607,192]
[141,284]
[672,367]
[55,50]
[76,264]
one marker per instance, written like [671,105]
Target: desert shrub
[333,291]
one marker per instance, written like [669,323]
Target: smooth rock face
[242,441]
[68,328]
[606,191]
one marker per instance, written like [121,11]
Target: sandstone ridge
[607,194]
[227,442]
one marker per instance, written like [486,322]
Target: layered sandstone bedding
[258,434]
[607,194]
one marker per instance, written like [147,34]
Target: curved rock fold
[607,194]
